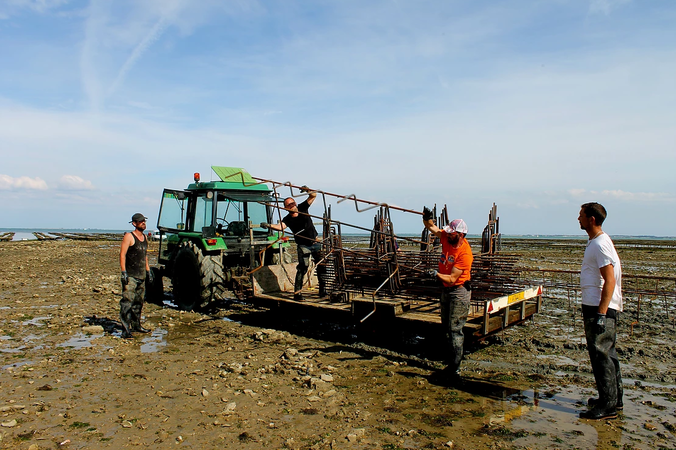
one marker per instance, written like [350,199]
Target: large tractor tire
[198,279]
[155,290]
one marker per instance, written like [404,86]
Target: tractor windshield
[233,216]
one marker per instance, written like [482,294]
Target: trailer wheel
[155,290]
[197,279]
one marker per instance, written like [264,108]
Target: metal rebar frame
[638,291]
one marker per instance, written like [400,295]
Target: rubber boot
[138,327]
[620,390]
[126,325]
[606,382]
[450,377]
[298,286]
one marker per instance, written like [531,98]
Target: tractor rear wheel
[197,278]
[155,290]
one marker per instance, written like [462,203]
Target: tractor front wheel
[197,278]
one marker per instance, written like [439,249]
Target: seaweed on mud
[442,420]
[501,431]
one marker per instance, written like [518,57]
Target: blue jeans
[455,303]
[304,254]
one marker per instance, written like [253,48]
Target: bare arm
[450,279]
[608,275]
[277,226]
[127,240]
[311,197]
[435,230]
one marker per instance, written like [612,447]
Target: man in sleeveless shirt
[601,285]
[455,265]
[305,234]
[134,265]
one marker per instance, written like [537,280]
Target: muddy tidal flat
[242,377]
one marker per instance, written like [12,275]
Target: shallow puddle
[155,341]
[15,365]
[552,420]
[13,350]
[37,321]
[80,340]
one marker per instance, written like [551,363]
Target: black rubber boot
[605,407]
[127,325]
[136,325]
[449,377]
[140,329]
[592,402]
[599,413]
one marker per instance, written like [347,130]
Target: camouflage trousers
[131,304]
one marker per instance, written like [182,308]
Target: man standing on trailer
[305,234]
[134,265]
[601,285]
[454,270]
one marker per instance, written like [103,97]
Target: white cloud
[619,194]
[639,196]
[74,183]
[40,6]
[605,6]
[151,37]
[11,183]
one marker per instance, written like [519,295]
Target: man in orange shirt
[455,265]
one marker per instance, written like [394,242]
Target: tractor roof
[232,178]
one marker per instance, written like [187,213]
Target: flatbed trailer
[495,305]
[215,237]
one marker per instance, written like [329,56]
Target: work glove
[431,273]
[264,225]
[427,213]
[600,323]
[304,188]
[151,276]
[124,278]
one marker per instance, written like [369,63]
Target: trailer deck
[496,304]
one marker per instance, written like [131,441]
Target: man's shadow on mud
[109,326]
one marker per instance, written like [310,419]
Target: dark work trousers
[455,303]
[304,254]
[131,304]
[603,356]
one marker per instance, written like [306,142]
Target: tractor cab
[214,224]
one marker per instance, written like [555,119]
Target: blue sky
[537,106]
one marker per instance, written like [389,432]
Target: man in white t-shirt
[601,285]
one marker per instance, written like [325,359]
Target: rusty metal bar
[341,198]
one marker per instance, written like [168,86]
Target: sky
[537,106]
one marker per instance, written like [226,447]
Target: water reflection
[154,341]
[80,340]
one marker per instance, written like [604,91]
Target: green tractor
[211,240]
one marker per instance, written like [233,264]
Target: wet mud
[251,378]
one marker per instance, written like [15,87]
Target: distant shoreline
[27,233]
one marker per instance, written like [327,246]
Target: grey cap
[138,217]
